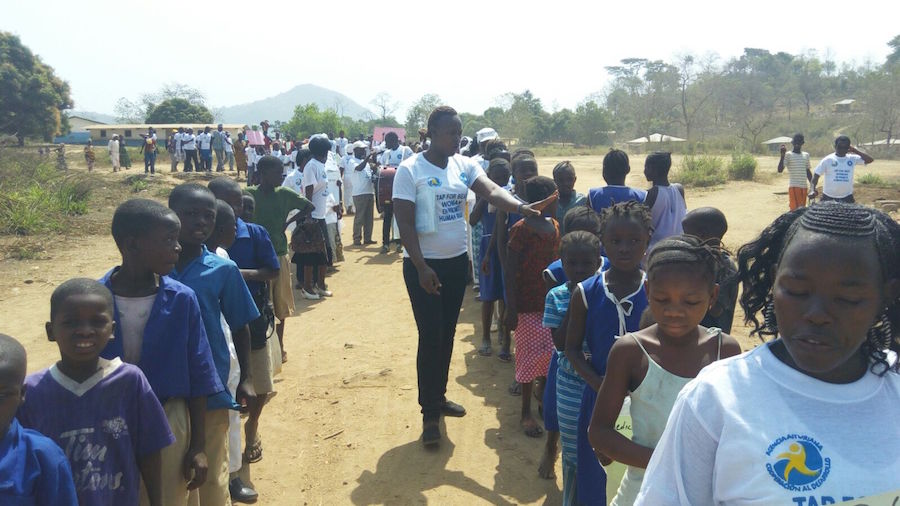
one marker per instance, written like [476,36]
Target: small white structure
[101,134]
[845,105]
[658,138]
[775,144]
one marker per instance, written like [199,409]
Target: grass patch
[35,197]
[701,171]
[871,179]
[742,167]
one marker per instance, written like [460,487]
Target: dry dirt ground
[344,427]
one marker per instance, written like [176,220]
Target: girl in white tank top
[654,364]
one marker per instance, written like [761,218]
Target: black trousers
[436,317]
[387,224]
[191,162]
[848,199]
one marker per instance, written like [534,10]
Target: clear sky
[467,52]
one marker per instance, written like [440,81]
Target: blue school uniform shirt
[607,318]
[175,353]
[252,249]
[605,196]
[34,470]
[221,291]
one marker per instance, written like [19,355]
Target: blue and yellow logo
[464,178]
[797,463]
[433,182]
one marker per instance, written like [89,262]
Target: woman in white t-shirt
[429,201]
[810,418]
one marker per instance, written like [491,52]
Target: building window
[102,133]
[127,133]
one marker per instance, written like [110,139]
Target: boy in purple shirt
[33,470]
[102,413]
[221,292]
[160,330]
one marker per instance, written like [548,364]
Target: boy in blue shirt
[221,291]
[159,329]
[32,467]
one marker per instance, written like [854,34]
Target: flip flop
[504,356]
[515,389]
[485,350]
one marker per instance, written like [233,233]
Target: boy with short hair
[564,177]
[710,225]
[221,292]
[102,413]
[797,163]
[273,204]
[160,330]
[33,468]
[838,170]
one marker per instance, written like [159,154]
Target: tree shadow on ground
[402,476]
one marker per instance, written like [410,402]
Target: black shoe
[241,493]
[450,408]
[431,433]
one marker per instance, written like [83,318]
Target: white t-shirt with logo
[360,180]
[204,140]
[393,157]
[341,145]
[752,430]
[177,138]
[314,175]
[450,187]
[838,174]
[187,141]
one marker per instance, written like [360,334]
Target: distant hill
[281,106]
[94,116]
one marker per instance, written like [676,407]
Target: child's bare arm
[499,238]
[151,471]
[624,359]
[478,211]
[575,337]
[559,333]
[509,279]
[195,465]
[730,346]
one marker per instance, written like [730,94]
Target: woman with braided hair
[810,417]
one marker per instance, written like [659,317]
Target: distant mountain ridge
[281,106]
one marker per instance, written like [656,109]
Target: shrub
[35,197]
[742,167]
[872,179]
[701,171]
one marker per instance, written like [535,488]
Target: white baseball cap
[486,134]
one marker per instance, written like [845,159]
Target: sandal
[504,356]
[253,454]
[533,431]
[485,350]
[515,389]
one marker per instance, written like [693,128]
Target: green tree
[894,57]
[178,110]
[591,124]
[31,95]
[417,116]
[308,120]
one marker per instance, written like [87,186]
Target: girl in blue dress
[602,308]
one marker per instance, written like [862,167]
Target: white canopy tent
[657,137]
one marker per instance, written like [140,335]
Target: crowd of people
[617,299]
